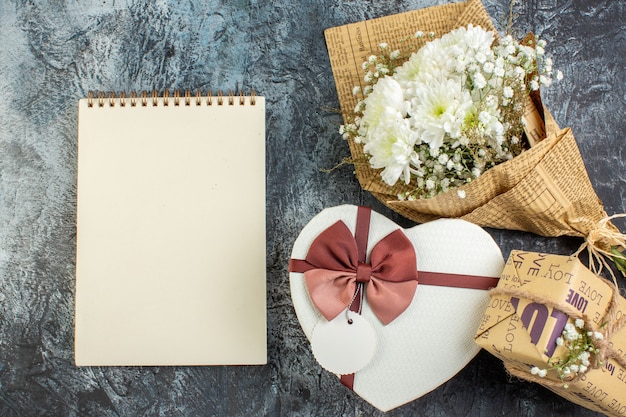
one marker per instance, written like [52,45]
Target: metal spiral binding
[145,99]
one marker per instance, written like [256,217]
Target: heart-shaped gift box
[426,342]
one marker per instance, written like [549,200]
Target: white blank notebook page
[170,265]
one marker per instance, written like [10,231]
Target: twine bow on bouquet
[446,120]
[605,242]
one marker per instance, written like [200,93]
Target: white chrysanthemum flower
[439,109]
[385,104]
[580,323]
[409,73]
[391,148]
[507,92]
[461,193]
[477,38]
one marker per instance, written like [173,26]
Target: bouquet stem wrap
[545,190]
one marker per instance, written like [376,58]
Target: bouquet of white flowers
[456,128]
[452,110]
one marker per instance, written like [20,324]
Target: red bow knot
[332,269]
[363,272]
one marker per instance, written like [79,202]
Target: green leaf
[620,259]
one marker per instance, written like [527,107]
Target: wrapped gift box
[537,296]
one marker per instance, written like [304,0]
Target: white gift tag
[345,344]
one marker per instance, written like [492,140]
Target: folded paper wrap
[537,295]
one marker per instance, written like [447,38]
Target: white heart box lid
[433,339]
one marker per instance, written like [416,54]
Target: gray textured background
[54,52]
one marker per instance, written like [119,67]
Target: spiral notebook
[170,263]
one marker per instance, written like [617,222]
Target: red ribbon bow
[335,264]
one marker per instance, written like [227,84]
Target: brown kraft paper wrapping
[545,190]
[536,296]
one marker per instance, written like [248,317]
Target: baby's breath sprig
[581,351]
[378,66]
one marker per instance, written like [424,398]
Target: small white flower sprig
[451,110]
[582,351]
